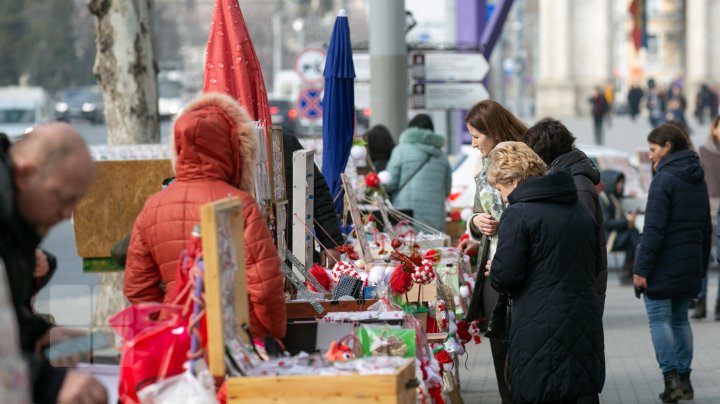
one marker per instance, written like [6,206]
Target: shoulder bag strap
[413,175]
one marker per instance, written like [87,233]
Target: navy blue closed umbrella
[338,107]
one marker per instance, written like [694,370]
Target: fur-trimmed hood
[213,139]
[422,136]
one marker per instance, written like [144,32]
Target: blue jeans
[671,333]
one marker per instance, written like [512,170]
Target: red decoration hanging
[322,277]
[400,280]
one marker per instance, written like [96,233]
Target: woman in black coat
[547,260]
[673,253]
[554,143]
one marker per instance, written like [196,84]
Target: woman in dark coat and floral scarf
[555,342]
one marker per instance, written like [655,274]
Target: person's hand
[468,246]
[56,334]
[640,282]
[329,256]
[81,388]
[486,224]
[631,219]
[42,267]
[488,265]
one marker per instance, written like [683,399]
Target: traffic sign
[446,95]
[309,65]
[449,66]
[309,103]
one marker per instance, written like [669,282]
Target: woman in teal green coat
[420,173]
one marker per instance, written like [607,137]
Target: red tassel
[443,357]
[221,395]
[476,339]
[322,277]
[436,395]
[463,331]
[400,281]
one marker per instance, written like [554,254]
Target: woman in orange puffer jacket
[215,157]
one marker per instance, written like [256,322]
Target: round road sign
[310,64]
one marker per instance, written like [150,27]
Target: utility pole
[388,65]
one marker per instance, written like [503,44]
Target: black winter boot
[673,388]
[700,309]
[717,310]
[688,392]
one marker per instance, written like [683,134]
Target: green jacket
[424,192]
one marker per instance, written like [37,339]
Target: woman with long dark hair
[673,253]
[489,123]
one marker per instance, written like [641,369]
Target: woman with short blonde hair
[546,261]
[514,161]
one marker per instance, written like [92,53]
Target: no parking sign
[309,103]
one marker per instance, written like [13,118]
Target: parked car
[80,103]
[170,95]
[466,165]
[283,113]
[21,109]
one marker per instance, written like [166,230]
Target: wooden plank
[347,389]
[211,280]
[439,337]
[107,212]
[223,243]
[303,204]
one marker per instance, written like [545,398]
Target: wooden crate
[399,388]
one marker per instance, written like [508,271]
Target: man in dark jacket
[622,235]
[327,228]
[50,169]
[547,261]
[554,143]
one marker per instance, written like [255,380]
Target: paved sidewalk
[633,375]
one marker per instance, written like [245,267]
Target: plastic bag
[183,388]
[155,345]
[384,340]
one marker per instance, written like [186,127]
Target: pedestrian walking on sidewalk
[420,175]
[599,109]
[547,261]
[710,160]
[489,123]
[673,254]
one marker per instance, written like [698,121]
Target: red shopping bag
[155,345]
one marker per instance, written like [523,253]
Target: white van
[21,109]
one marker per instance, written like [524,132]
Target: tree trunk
[126,70]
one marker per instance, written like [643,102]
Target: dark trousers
[598,126]
[498,347]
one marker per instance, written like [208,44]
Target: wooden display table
[227,312]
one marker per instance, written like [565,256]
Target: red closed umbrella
[231,65]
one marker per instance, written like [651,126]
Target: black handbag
[476,310]
[497,326]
